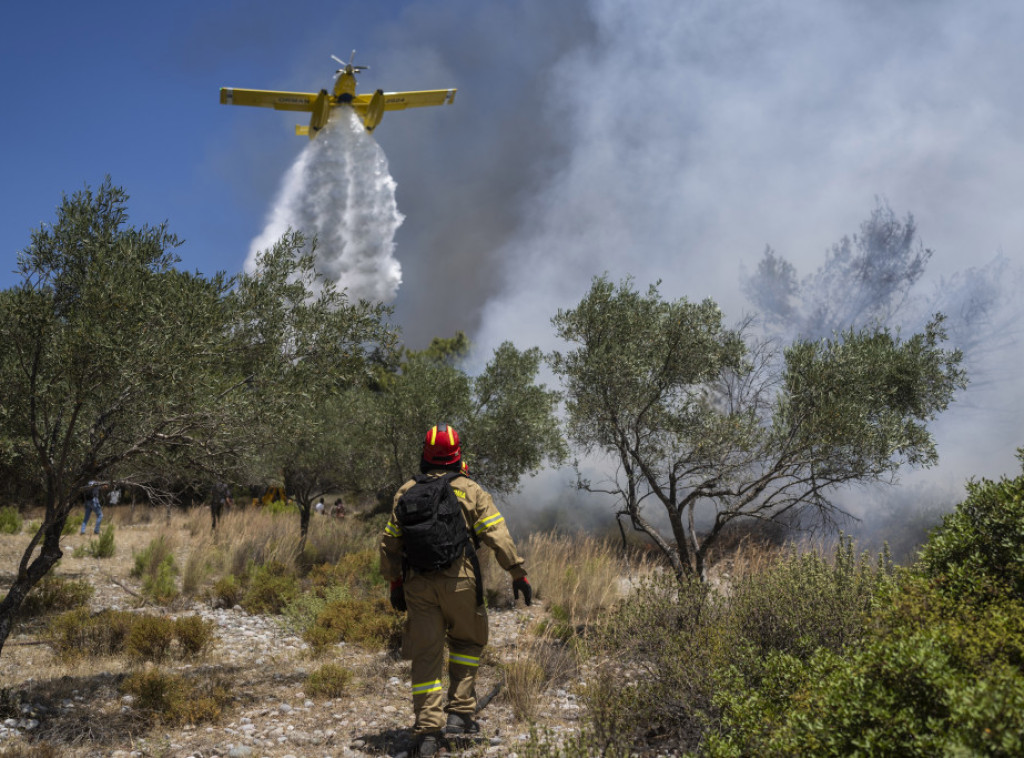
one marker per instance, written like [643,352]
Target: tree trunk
[29,577]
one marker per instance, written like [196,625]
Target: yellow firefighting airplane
[369,107]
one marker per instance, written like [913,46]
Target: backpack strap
[471,547]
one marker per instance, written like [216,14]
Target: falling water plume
[339,191]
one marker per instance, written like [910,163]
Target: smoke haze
[673,140]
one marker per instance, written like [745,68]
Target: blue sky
[664,139]
[131,90]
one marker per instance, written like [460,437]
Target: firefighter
[446,603]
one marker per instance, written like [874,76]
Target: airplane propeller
[349,67]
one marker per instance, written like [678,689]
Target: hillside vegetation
[793,651]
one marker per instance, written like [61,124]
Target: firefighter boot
[431,744]
[461,723]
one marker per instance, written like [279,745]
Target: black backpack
[433,528]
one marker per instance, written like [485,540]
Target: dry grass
[578,577]
[539,662]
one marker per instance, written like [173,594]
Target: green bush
[77,634]
[271,588]
[979,548]
[101,548]
[806,601]
[194,635]
[161,586]
[55,594]
[280,506]
[10,520]
[367,622]
[175,700]
[149,559]
[328,681]
[227,591]
[150,638]
[933,675]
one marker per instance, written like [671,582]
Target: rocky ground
[80,710]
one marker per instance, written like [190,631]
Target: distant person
[220,498]
[319,507]
[338,509]
[93,493]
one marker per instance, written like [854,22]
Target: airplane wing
[282,101]
[398,101]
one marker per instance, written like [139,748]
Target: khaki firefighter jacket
[483,520]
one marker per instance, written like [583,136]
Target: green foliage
[281,506]
[10,520]
[328,681]
[101,548]
[271,588]
[131,363]
[55,594]
[979,548]
[156,566]
[160,586]
[141,637]
[150,638]
[370,623]
[175,700]
[694,419]
[806,602]
[937,670]
[194,635]
[78,633]
[228,591]
[148,560]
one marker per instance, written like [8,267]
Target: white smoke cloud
[339,190]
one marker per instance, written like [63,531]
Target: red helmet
[441,446]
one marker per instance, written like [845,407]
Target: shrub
[149,559]
[933,675]
[149,638]
[160,586]
[176,700]
[655,663]
[55,594]
[328,681]
[805,601]
[271,588]
[101,548]
[320,639]
[76,634]
[227,592]
[194,635]
[370,623]
[979,548]
[10,520]
[278,507]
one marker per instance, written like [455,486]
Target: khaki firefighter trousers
[441,607]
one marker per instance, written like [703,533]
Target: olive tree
[506,419]
[116,364]
[705,429]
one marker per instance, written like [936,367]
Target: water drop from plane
[340,190]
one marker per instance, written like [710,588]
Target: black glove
[398,596]
[522,584]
